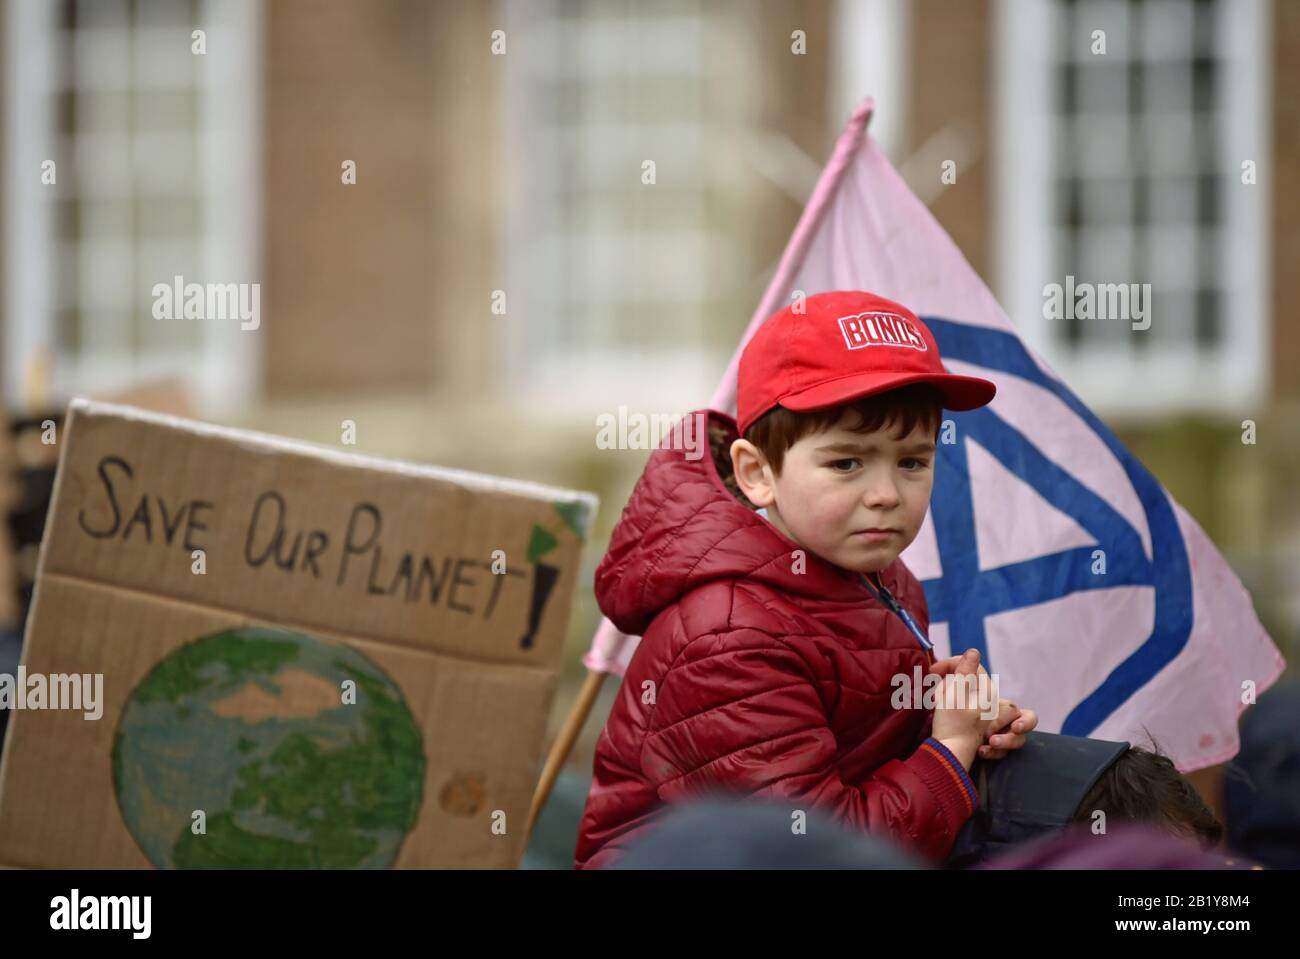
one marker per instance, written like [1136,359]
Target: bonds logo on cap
[794,361]
[880,329]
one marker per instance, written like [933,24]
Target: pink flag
[1095,598]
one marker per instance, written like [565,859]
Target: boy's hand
[1008,730]
[961,720]
[958,664]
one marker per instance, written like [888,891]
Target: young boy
[776,619]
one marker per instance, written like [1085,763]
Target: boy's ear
[753,475]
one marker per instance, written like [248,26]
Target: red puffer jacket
[756,674]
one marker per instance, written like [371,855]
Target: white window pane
[101,13]
[1173,316]
[153,334]
[103,163]
[101,59]
[1061,136]
[611,155]
[1107,200]
[1106,255]
[1102,144]
[166,110]
[1210,271]
[106,219]
[1173,200]
[163,57]
[102,111]
[165,164]
[1167,86]
[160,218]
[1102,86]
[1168,29]
[1171,257]
[1112,16]
[104,275]
[66,282]
[160,261]
[1169,144]
[638,47]
[166,11]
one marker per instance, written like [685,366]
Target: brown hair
[1142,786]
[779,428]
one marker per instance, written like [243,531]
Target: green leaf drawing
[576,516]
[540,543]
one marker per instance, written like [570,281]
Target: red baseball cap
[841,346]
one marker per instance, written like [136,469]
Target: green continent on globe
[241,750]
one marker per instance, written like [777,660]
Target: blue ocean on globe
[254,729]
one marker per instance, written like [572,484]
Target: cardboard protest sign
[244,651]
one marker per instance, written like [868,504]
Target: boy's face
[836,484]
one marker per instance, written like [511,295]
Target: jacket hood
[683,527]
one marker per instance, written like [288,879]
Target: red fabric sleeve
[744,716]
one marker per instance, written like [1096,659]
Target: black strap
[886,598]
[883,596]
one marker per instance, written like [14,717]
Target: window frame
[1235,373]
[223,373]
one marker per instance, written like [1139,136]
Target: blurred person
[1127,846]
[1142,786]
[1056,782]
[11,647]
[1261,786]
[764,578]
[727,833]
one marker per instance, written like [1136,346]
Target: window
[154,148]
[1125,167]
[610,282]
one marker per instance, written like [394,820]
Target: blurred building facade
[564,206]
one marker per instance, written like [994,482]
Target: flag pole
[602,659]
[563,744]
[724,398]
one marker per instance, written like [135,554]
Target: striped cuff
[959,774]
